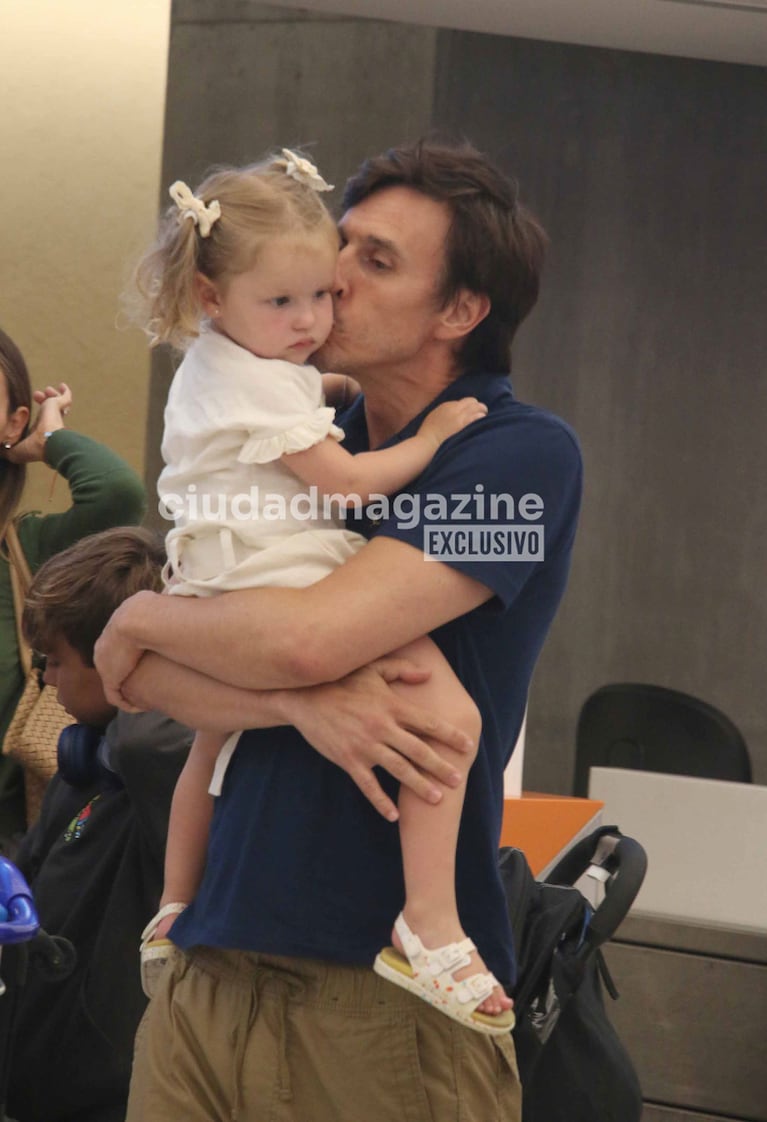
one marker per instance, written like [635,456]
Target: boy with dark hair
[94,859]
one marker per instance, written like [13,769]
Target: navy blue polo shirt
[299,862]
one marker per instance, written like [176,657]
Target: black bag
[572,1065]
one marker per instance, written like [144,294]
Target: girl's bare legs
[189,825]
[429,833]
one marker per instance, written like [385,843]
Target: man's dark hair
[75,592]
[495,246]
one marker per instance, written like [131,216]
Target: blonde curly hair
[258,202]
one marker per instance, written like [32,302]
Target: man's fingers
[374,793]
[118,699]
[401,670]
[410,755]
[411,777]
[422,723]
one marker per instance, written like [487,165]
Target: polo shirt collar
[474,383]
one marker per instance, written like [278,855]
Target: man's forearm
[283,638]
[201,702]
[246,639]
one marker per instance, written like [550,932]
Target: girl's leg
[191,811]
[429,832]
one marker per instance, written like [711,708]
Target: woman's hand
[55,402]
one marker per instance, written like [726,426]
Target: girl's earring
[7,444]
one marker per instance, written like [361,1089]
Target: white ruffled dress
[242,519]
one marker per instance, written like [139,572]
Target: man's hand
[116,656]
[360,722]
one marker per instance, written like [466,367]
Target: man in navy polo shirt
[272,1010]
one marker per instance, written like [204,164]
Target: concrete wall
[650,338]
[649,173]
[82,92]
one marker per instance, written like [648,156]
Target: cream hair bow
[304,171]
[191,207]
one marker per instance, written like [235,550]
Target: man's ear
[208,295]
[462,314]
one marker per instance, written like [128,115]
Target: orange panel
[542,826]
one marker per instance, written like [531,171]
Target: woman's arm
[105,491]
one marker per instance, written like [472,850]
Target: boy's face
[78,686]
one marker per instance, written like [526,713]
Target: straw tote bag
[33,734]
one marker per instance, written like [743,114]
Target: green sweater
[105,493]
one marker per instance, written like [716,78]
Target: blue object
[18,915]
[78,755]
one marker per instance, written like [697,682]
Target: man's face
[388,276]
[78,686]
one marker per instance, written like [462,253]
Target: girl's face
[282,307]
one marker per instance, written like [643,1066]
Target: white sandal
[155,952]
[429,975]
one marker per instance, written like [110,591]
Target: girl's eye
[321,293]
[281,301]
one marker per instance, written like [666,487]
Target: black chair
[651,728]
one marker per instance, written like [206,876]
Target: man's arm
[380,600]
[357,723]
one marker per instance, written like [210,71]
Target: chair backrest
[651,728]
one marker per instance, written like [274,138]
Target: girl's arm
[333,470]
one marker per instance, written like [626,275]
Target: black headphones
[77,755]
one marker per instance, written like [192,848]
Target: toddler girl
[241,278]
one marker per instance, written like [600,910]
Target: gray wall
[649,173]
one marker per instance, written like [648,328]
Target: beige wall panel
[82,92]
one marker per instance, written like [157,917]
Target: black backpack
[572,1065]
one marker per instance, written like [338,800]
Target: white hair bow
[191,207]
[304,171]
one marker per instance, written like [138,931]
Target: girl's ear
[207,294]
[463,313]
[15,425]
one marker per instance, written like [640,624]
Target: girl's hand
[450,417]
[55,402]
